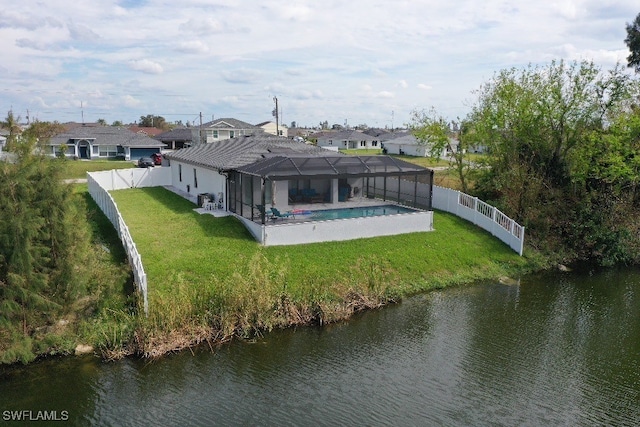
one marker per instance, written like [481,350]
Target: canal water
[561,349]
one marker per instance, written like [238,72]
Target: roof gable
[228,123]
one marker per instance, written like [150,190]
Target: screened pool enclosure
[290,182]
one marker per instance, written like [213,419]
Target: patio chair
[275,214]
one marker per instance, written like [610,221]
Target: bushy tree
[434,132]
[153,121]
[633,43]
[43,245]
[545,127]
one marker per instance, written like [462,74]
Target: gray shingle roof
[237,152]
[105,135]
[348,135]
[229,123]
[179,134]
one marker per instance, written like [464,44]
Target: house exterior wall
[213,135]
[348,143]
[407,149]
[270,128]
[208,181]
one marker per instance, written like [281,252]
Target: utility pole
[200,129]
[275,114]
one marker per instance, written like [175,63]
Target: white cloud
[385,94]
[318,58]
[146,66]
[130,101]
[194,46]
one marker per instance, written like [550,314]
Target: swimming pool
[357,212]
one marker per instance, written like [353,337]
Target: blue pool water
[358,212]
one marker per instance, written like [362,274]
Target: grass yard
[77,169]
[174,239]
[209,280]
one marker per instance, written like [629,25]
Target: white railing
[480,213]
[100,183]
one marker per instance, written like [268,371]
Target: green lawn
[172,238]
[77,169]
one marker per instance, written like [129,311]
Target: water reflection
[553,350]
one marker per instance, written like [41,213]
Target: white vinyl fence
[483,215]
[100,183]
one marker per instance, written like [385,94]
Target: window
[363,143]
[195,178]
[374,143]
[108,150]
[180,173]
[215,134]
[231,134]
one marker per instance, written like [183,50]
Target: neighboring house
[410,146]
[103,142]
[272,129]
[178,138]
[146,130]
[347,139]
[221,129]
[377,132]
[298,132]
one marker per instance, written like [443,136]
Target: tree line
[562,144]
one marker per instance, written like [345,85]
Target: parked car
[157,159]
[145,162]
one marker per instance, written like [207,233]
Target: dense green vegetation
[55,272]
[563,157]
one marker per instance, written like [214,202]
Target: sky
[345,62]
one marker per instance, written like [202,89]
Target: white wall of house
[351,144]
[195,179]
[406,149]
[270,128]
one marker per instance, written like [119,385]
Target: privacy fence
[480,213]
[100,183]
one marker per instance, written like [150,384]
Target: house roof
[279,167]
[229,123]
[237,152]
[406,139]
[348,135]
[179,134]
[105,135]
[147,130]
